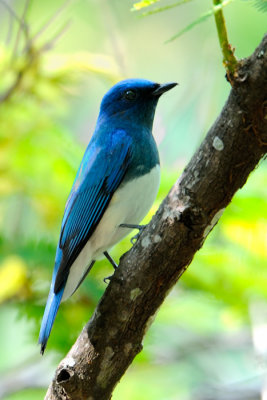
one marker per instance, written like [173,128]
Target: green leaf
[197,21]
[261,5]
[142,4]
[201,18]
[165,8]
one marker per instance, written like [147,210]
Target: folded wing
[99,175]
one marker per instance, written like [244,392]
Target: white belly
[129,205]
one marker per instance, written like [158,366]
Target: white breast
[129,205]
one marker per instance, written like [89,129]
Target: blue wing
[101,172]
[99,175]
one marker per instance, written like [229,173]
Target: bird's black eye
[130,95]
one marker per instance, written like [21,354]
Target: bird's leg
[110,259]
[112,262]
[133,226]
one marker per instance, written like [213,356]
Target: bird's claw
[133,226]
[108,278]
[136,237]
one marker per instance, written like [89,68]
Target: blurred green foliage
[203,333]
[261,5]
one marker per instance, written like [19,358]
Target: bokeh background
[209,340]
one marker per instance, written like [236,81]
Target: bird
[115,187]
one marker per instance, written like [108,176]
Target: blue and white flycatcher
[115,186]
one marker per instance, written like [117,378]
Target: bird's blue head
[132,101]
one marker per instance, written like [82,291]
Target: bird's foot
[133,226]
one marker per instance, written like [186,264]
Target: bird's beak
[163,88]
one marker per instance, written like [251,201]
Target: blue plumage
[93,187]
[116,184]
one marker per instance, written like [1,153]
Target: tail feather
[50,313]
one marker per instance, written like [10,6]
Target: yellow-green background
[205,338]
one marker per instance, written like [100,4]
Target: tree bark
[231,150]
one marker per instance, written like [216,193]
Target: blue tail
[50,313]
[52,305]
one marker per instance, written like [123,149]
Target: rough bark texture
[231,150]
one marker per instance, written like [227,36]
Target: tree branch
[231,150]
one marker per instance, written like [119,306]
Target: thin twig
[114,36]
[31,54]
[229,60]
[12,12]
[20,75]
[10,29]
[22,27]
[49,44]
[5,96]
[50,20]
[14,16]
